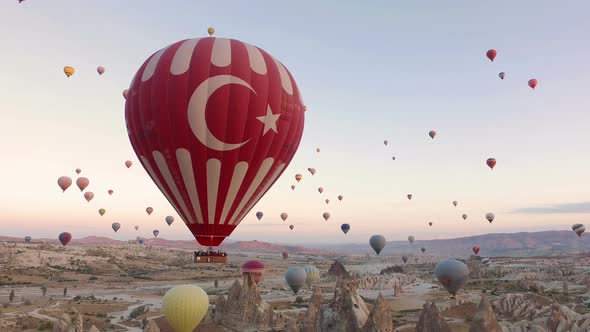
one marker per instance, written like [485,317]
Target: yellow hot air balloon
[211,31]
[69,71]
[185,306]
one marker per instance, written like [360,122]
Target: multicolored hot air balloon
[259,215]
[220,181]
[579,229]
[65,238]
[455,203]
[140,240]
[298,177]
[502,75]
[254,268]
[295,278]
[491,162]
[405,258]
[69,71]
[82,183]
[452,274]
[533,83]
[313,274]
[377,242]
[320,190]
[432,134]
[284,216]
[89,195]
[100,70]
[491,54]
[64,182]
[411,239]
[345,228]
[102,212]
[326,216]
[128,163]
[149,210]
[185,306]
[285,254]
[156,232]
[464,216]
[78,171]
[490,217]
[116,226]
[110,192]
[340,198]
[409,196]
[475,249]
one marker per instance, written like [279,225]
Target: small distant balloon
[432,134]
[411,239]
[291,227]
[128,163]
[65,238]
[78,171]
[149,210]
[259,215]
[82,183]
[255,268]
[89,195]
[579,229]
[345,228]
[455,203]
[298,177]
[405,258]
[64,182]
[475,249]
[502,75]
[100,70]
[377,242]
[211,31]
[102,212]
[292,187]
[116,226]
[69,71]
[169,220]
[284,216]
[430,223]
[423,249]
[490,217]
[317,150]
[110,192]
[156,232]
[285,254]
[326,215]
[533,83]
[311,170]
[320,190]
[464,216]
[385,142]
[340,197]
[491,162]
[28,239]
[136,227]
[491,54]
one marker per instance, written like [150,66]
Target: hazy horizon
[366,73]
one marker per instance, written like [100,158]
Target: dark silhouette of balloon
[579,229]
[345,228]
[491,162]
[295,278]
[502,75]
[405,258]
[452,274]
[423,249]
[432,134]
[284,216]
[326,216]
[169,220]
[490,217]
[259,215]
[65,238]
[116,226]
[291,227]
[156,232]
[377,242]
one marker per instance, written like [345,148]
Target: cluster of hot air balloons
[69,70]
[491,54]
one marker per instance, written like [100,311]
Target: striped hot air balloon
[578,229]
[313,274]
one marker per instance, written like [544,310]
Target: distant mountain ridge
[523,244]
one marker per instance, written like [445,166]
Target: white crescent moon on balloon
[196,111]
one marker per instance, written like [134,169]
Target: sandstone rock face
[380,317]
[151,326]
[310,318]
[381,282]
[244,309]
[93,329]
[431,320]
[485,319]
[64,324]
[338,270]
[346,312]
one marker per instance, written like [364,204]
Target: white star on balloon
[269,120]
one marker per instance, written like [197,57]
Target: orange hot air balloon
[69,71]
[82,183]
[64,182]
[533,83]
[298,177]
[491,54]
[211,31]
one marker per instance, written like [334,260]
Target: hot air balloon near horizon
[291,227]
[185,306]
[284,216]
[313,274]
[156,232]
[296,278]
[65,238]
[116,226]
[475,249]
[259,215]
[285,254]
[212,200]
[169,220]
[578,229]
[28,239]
[405,259]
[411,239]
[452,274]
[377,242]
[490,217]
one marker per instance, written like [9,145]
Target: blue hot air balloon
[345,228]
[259,215]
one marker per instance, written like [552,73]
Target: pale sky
[368,72]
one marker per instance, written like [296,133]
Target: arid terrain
[119,287]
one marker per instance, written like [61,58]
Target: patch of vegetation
[45,326]
[101,315]
[137,312]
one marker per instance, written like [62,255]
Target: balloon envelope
[491,54]
[169,220]
[100,70]
[64,182]
[405,258]
[326,216]
[578,229]
[291,227]
[533,83]
[285,254]
[490,217]
[502,75]
[321,190]
[295,277]
[345,228]
[340,197]
[116,226]
[255,268]
[233,121]
[284,216]
[377,242]
[259,215]
[136,227]
[491,162]
[475,249]
[464,216]
[89,195]
[28,239]
[292,187]
[411,238]
[410,196]
[185,306]
[455,203]
[423,250]
[149,210]
[82,183]
[313,274]
[432,133]
[69,71]
[298,177]
[102,212]
[78,171]
[156,232]
[65,238]
[311,170]
[452,274]
[110,192]
[128,163]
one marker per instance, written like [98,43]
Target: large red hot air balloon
[491,54]
[214,122]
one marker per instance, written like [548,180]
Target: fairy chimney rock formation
[346,312]
[380,317]
[485,319]
[431,320]
[338,270]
